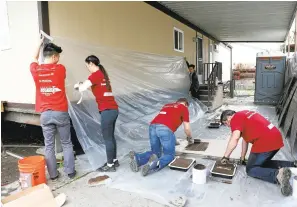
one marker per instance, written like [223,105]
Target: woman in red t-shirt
[108,108]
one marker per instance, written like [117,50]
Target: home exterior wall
[223,56]
[16,82]
[130,25]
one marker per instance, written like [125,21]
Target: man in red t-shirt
[267,141]
[52,103]
[161,131]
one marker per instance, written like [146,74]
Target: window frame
[179,31]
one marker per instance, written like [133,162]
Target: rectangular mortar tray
[185,167]
[223,171]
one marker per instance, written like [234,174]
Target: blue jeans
[108,121]
[261,166]
[161,139]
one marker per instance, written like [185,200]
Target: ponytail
[95,60]
[105,76]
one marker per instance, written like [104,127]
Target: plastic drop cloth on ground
[168,185]
[142,83]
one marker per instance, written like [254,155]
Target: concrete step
[205,98]
[203,87]
[203,92]
[207,104]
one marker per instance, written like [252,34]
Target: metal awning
[237,21]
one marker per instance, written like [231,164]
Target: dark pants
[194,93]
[108,121]
[261,166]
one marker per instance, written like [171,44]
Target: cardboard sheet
[40,196]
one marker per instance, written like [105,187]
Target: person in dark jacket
[194,81]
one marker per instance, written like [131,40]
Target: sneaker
[72,175]
[152,164]
[106,168]
[116,163]
[56,178]
[283,178]
[133,162]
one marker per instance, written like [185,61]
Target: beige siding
[130,25]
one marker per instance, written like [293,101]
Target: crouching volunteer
[161,134]
[267,141]
[108,108]
[52,103]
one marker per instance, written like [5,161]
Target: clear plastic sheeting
[168,185]
[142,83]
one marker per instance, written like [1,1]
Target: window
[4,31]
[178,36]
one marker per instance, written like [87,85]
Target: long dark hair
[95,60]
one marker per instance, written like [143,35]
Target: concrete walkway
[81,195]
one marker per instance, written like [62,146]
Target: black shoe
[116,163]
[106,168]
[56,178]
[72,175]
[295,163]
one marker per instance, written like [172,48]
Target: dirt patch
[227,169]
[97,180]
[199,167]
[202,146]
[182,162]
[9,164]
[9,169]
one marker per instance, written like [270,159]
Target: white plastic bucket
[199,174]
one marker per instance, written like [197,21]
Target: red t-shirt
[172,115]
[257,130]
[50,87]
[104,97]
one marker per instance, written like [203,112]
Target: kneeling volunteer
[161,134]
[267,141]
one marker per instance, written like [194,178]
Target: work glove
[242,161]
[190,140]
[225,160]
